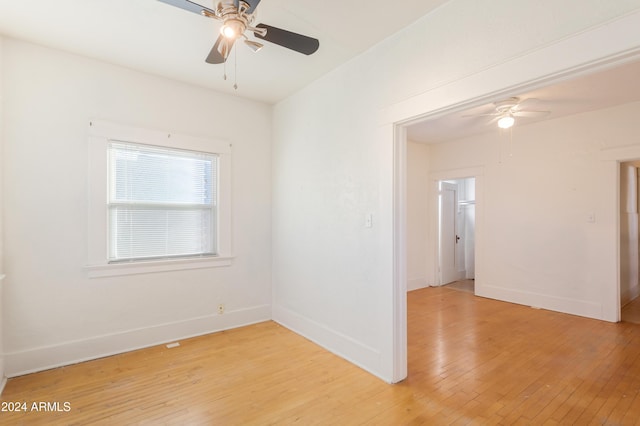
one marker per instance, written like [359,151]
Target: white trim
[454,174]
[538,300]
[100,132]
[620,153]
[605,46]
[106,130]
[165,265]
[399,295]
[608,45]
[611,159]
[334,341]
[3,383]
[612,311]
[47,357]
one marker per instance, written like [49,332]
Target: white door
[448,237]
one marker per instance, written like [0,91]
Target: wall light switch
[368,222]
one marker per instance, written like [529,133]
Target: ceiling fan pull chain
[235,71]
[511,142]
[224,76]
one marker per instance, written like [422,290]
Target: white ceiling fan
[508,109]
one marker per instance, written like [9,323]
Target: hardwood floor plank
[631,311]
[472,361]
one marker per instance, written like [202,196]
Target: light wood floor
[471,361]
[631,311]
[463,285]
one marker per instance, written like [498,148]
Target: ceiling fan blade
[188,5]
[252,5]
[531,102]
[530,113]
[220,51]
[293,41]
[493,114]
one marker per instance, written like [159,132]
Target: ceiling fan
[507,109]
[237,18]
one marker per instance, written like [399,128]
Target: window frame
[115,204]
[100,134]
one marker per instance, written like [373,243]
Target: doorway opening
[629,241]
[456,232]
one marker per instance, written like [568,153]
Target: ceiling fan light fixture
[506,122]
[254,45]
[232,29]
[228,32]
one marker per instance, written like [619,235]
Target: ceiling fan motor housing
[506,105]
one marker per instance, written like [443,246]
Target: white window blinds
[162,202]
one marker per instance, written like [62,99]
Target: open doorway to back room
[455,140]
[456,233]
[441,224]
[441,209]
[629,242]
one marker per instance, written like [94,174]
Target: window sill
[118,269]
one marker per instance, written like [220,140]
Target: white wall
[334,161]
[327,264]
[417,215]
[539,247]
[53,313]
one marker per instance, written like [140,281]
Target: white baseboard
[341,345]
[44,358]
[553,303]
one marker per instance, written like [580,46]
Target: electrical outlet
[220,309]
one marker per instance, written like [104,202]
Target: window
[157,201]
[162,202]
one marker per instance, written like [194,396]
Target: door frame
[612,160]
[588,51]
[621,164]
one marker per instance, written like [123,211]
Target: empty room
[278,211]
